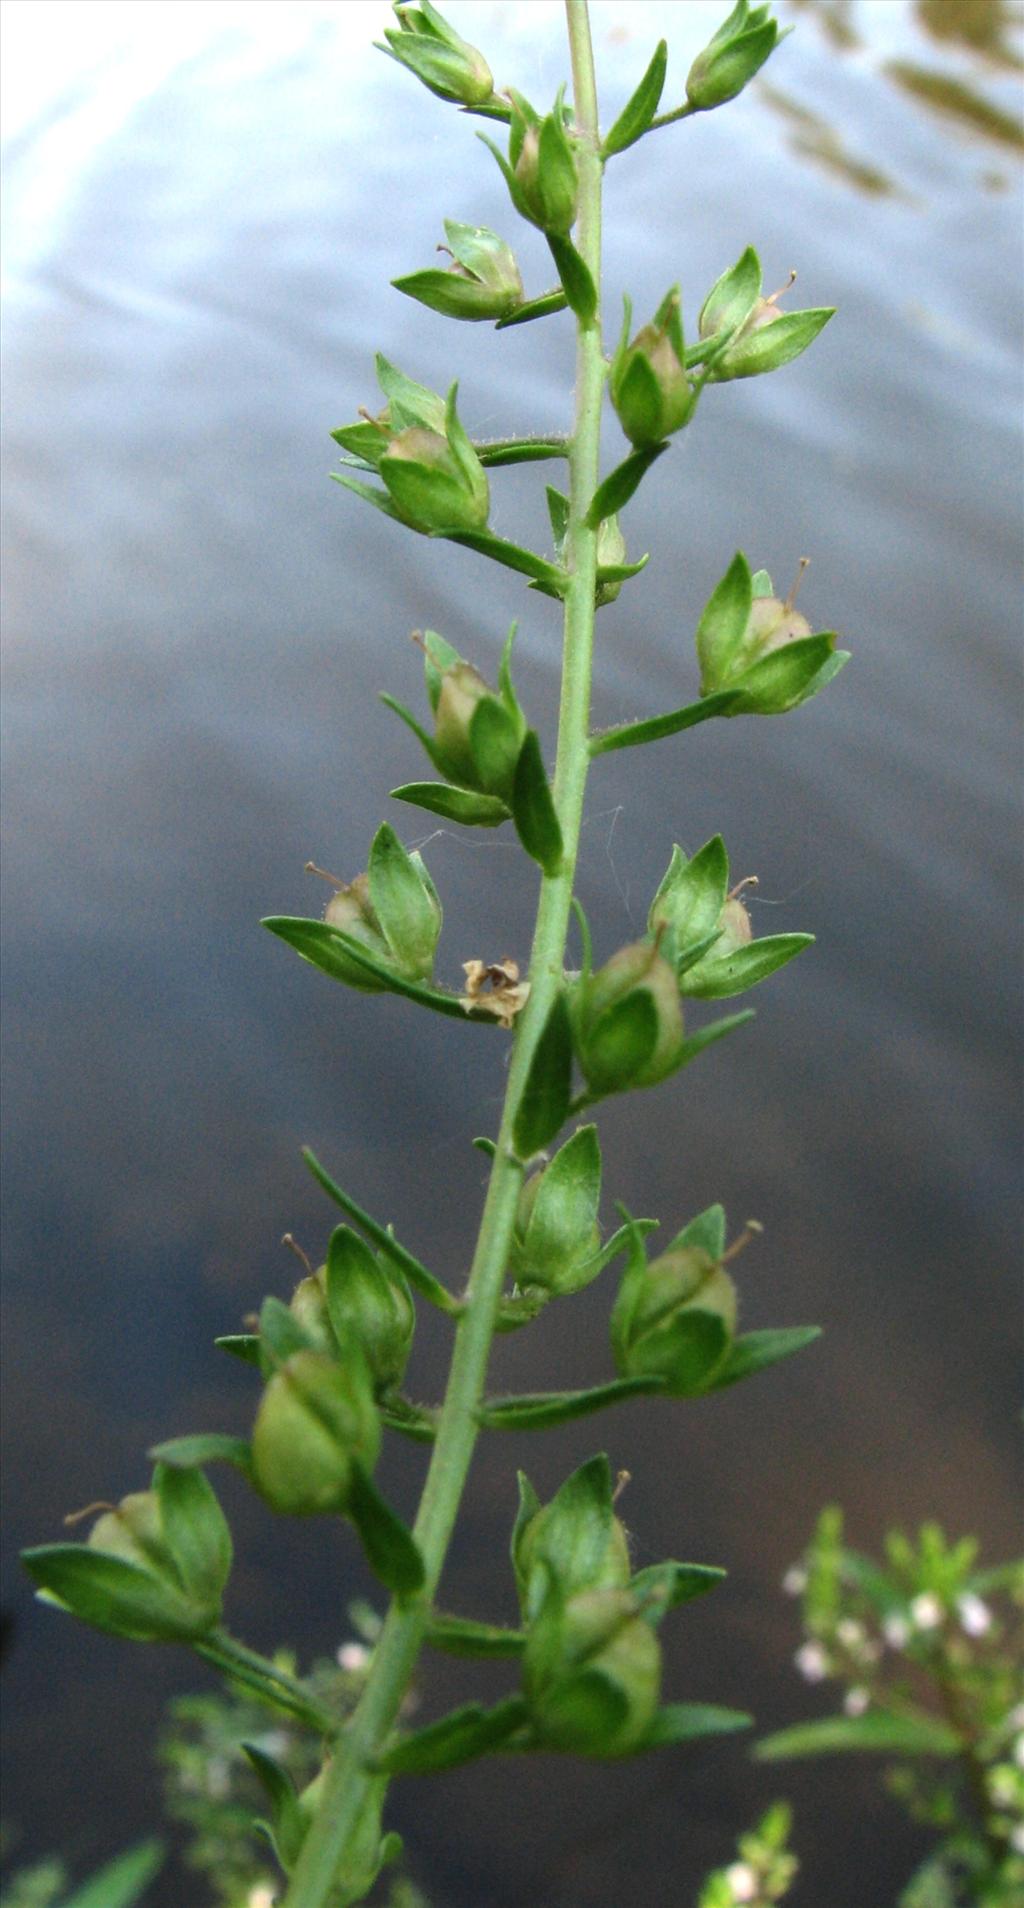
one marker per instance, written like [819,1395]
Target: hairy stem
[349,1778]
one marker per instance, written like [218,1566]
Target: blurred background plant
[929,1649]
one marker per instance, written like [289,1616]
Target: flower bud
[679,1320]
[732,56]
[435,490]
[761,647]
[316,1418]
[769,338]
[483,280]
[592,1674]
[477,729]
[351,910]
[574,1543]
[556,1239]
[650,390]
[628,1020]
[368,1300]
[541,173]
[451,68]
[408,403]
[393,911]
[308,1304]
[153,1568]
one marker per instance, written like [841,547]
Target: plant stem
[265,1680]
[349,1780]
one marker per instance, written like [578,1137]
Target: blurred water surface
[205,205]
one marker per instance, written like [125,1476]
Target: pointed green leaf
[721,627]
[449,293]
[620,484]
[720,979]
[692,1722]
[755,1351]
[636,115]
[243,1345]
[574,272]
[406,715]
[654,728]
[706,1232]
[455,804]
[289,1824]
[438,656]
[378,498]
[786,677]
[494,741]
[402,902]
[329,949]
[558,512]
[495,454]
[281,1333]
[535,308]
[120,1883]
[535,1411]
[391,1550]
[196,1530]
[506,687]
[693,953]
[663,1587]
[638,397]
[533,809]
[564,1212]
[204,1447]
[730,301]
[461,1636]
[112,1594]
[544,1107]
[409,403]
[460,1737]
[620,1042]
[774,344]
[690,899]
[695,1043]
[875,1731]
[416,1273]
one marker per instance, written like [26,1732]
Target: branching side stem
[349,1778]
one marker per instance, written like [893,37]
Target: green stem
[348,1782]
[265,1680]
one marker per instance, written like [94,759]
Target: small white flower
[926,1611]
[812,1662]
[353,1657]
[851,1634]
[896,1630]
[742,1881]
[856,1701]
[1017,1839]
[794,1583]
[975,1616]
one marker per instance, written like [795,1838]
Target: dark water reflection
[197,624]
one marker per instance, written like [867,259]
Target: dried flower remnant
[494,987]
